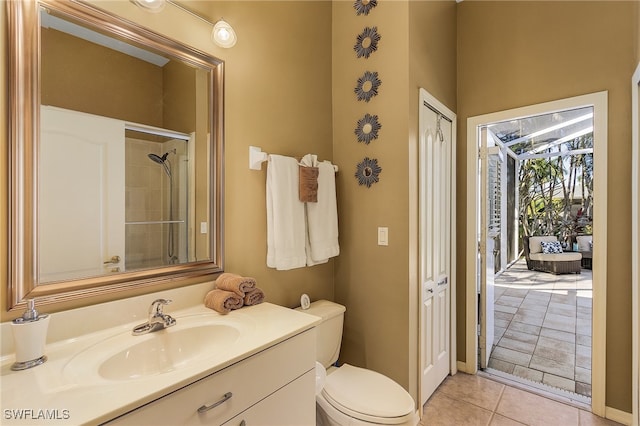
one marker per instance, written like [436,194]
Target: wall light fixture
[153,6]
[222,35]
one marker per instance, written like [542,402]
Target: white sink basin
[166,350]
[127,357]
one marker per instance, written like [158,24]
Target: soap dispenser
[29,337]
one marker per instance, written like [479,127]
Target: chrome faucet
[157,319]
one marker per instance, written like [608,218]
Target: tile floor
[465,399]
[543,327]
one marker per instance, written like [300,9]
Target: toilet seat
[368,396]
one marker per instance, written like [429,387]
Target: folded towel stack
[233,291]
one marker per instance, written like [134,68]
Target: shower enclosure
[157,198]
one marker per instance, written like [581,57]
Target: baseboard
[618,416]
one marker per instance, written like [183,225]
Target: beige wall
[75,73]
[372,280]
[278,96]
[637,38]
[417,49]
[179,94]
[555,50]
[432,57]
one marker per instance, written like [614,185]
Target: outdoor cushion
[585,242]
[534,243]
[558,257]
[551,247]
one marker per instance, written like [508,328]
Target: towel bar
[257,157]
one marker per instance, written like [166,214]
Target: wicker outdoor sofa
[585,247]
[555,263]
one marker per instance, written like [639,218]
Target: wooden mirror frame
[23,132]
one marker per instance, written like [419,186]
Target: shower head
[162,160]
[156,158]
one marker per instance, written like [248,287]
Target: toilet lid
[367,395]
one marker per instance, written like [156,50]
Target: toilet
[351,395]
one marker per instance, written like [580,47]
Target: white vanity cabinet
[281,408]
[275,386]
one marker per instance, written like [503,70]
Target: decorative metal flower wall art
[367,86]
[367,128]
[363,7]
[367,42]
[367,171]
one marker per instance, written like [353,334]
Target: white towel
[322,217]
[285,215]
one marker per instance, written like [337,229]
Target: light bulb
[223,34]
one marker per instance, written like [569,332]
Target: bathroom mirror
[115,155]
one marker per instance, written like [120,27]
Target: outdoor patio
[543,327]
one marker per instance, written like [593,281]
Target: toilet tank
[329,331]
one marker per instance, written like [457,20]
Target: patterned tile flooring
[471,400]
[543,327]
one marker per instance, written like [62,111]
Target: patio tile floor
[543,327]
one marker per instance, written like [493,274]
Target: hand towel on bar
[322,217]
[285,215]
[254,297]
[235,283]
[308,186]
[223,301]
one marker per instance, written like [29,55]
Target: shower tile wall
[144,180]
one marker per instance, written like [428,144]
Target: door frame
[635,243]
[599,103]
[486,246]
[426,97]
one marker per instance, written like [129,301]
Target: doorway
[477,260]
[536,318]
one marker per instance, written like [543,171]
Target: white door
[436,141]
[489,229]
[81,195]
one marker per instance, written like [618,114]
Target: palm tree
[550,189]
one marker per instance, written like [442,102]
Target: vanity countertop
[53,393]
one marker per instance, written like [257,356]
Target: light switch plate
[383,236]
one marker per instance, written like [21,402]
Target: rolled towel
[235,283]
[223,301]
[254,297]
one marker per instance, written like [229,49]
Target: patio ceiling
[555,134]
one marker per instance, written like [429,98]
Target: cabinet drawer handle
[224,399]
